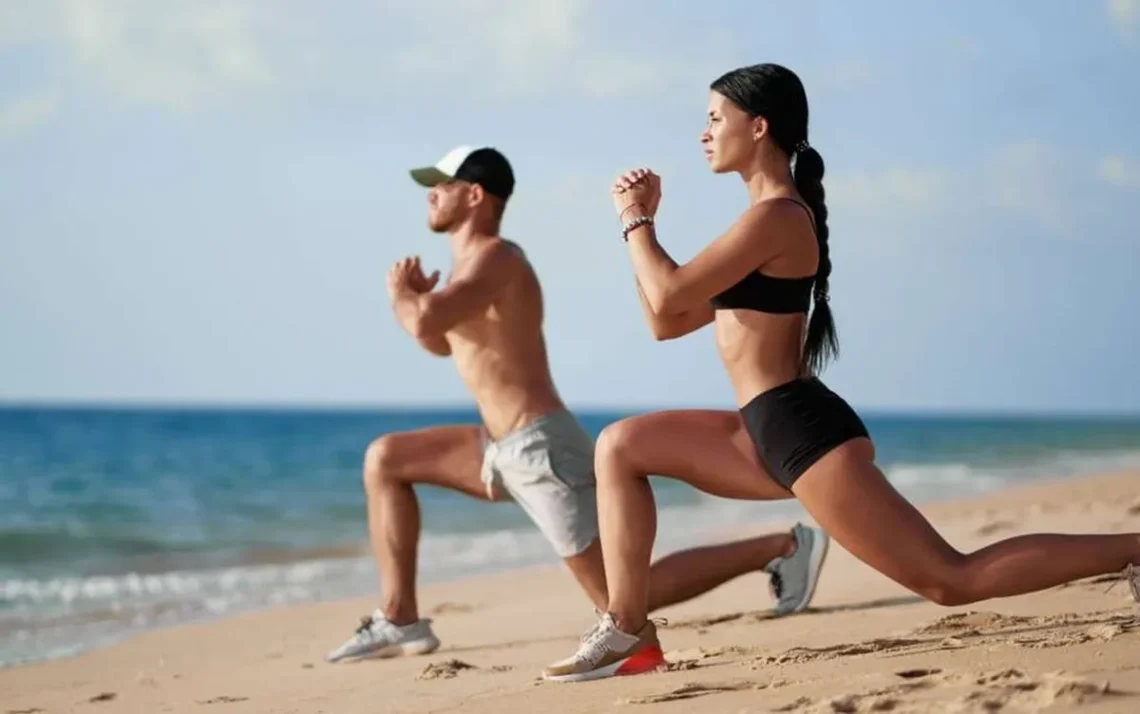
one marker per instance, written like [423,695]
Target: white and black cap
[482,165]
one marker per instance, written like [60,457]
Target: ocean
[115,520]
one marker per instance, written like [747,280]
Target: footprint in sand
[689,691]
[702,622]
[1097,633]
[972,628]
[683,665]
[452,608]
[917,673]
[995,527]
[1043,631]
[1002,690]
[444,670]
[970,623]
[798,705]
[800,655]
[877,700]
[1013,688]
[224,699]
[684,660]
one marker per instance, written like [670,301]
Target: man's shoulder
[504,254]
[503,248]
[497,258]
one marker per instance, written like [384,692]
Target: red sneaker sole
[647,659]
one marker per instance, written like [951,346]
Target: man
[529,448]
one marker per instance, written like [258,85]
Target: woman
[756,283]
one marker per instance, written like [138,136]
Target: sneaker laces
[365,625]
[593,645]
[368,624]
[593,628]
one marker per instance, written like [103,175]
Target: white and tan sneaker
[606,651]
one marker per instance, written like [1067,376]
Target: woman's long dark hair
[777,94]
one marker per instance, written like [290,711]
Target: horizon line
[468,407]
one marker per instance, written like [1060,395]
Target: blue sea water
[116,520]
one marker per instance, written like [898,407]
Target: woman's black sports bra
[765,293]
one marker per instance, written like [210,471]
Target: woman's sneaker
[606,651]
[377,637]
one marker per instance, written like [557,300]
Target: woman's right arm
[669,327]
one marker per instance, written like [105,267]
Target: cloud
[28,111]
[1125,15]
[892,188]
[186,55]
[1120,172]
[1040,186]
[1029,179]
[521,47]
[178,54]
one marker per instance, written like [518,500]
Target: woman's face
[731,136]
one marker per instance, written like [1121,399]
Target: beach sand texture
[867,645]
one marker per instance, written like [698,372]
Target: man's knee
[381,461]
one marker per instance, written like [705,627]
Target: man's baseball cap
[484,166]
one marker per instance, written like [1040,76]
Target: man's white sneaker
[377,637]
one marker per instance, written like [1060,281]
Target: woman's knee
[945,594]
[617,442]
[949,584]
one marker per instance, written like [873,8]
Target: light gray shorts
[547,467]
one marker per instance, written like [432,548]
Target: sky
[199,199]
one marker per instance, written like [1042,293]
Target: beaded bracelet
[635,223]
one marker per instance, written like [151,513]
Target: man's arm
[428,316]
[408,275]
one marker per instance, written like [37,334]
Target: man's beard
[441,224]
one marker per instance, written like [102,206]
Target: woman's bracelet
[633,224]
[632,205]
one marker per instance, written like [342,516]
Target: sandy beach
[866,645]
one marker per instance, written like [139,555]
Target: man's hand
[419,282]
[406,280]
[398,276]
[407,275]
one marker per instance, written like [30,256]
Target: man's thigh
[446,456]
